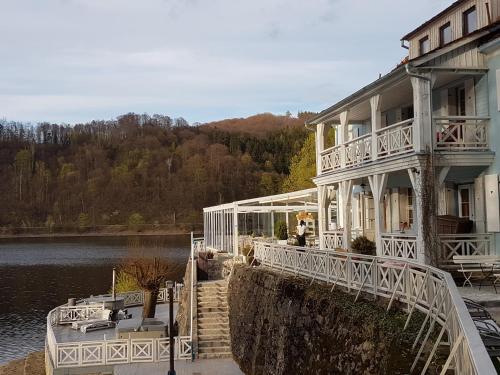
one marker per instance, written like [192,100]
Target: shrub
[135,221]
[210,254]
[281,230]
[363,245]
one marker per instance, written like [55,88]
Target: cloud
[75,60]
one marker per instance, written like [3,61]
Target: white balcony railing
[334,239]
[331,159]
[461,133]
[358,151]
[395,139]
[464,244]
[399,245]
[427,289]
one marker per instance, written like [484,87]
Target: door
[466,201]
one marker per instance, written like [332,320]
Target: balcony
[461,133]
[452,133]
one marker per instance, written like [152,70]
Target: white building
[413,165]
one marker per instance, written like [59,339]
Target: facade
[414,164]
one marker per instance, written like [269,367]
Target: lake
[38,274]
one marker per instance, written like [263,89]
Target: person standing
[301,233]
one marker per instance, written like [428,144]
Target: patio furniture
[97,325]
[477,311]
[483,266]
[101,316]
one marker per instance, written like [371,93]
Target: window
[425,45]
[445,34]
[469,21]
[465,201]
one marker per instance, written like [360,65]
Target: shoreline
[94,234]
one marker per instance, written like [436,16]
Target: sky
[71,61]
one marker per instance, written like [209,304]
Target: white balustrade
[331,159]
[69,314]
[358,151]
[421,287]
[461,133]
[399,245]
[464,244]
[334,239]
[395,139]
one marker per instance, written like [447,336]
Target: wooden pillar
[322,206]
[378,184]
[345,188]
[343,135]
[321,135]
[422,108]
[416,182]
[376,119]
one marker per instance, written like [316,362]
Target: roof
[382,80]
[426,23]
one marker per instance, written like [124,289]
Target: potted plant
[281,232]
[364,246]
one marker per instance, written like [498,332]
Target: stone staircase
[213,320]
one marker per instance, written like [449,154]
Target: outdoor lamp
[170,288]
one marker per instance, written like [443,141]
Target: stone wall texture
[281,324]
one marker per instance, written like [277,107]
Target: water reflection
[38,274]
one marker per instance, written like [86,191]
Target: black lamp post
[170,287]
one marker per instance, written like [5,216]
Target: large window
[469,21]
[424,45]
[445,34]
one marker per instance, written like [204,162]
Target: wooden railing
[461,133]
[358,151]
[399,245]
[331,159]
[419,287]
[395,139]
[464,244]
[334,239]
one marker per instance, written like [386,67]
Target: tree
[150,275]
[303,167]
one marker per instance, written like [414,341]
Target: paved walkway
[198,367]
[486,296]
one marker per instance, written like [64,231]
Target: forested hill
[139,168]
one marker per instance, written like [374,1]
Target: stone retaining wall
[281,324]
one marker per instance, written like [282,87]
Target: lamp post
[170,288]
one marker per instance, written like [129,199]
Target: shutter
[492,208]
[479,206]
[470,97]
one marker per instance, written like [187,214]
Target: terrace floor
[182,367]
[64,333]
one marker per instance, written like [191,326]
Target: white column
[376,119]
[422,107]
[345,188]
[322,203]
[320,146]
[236,244]
[416,181]
[343,134]
[378,184]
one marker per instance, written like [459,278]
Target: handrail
[330,149]
[480,118]
[393,278]
[401,123]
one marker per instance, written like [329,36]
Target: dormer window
[445,34]
[469,20]
[425,45]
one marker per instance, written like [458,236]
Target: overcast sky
[77,60]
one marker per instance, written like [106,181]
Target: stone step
[226,354]
[214,349]
[216,343]
[211,319]
[213,308]
[213,328]
[209,333]
[212,315]
[213,325]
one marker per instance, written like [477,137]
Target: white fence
[122,351]
[427,289]
[331,159]
[464,244]
[334,239]
[358,150]
[399,245]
